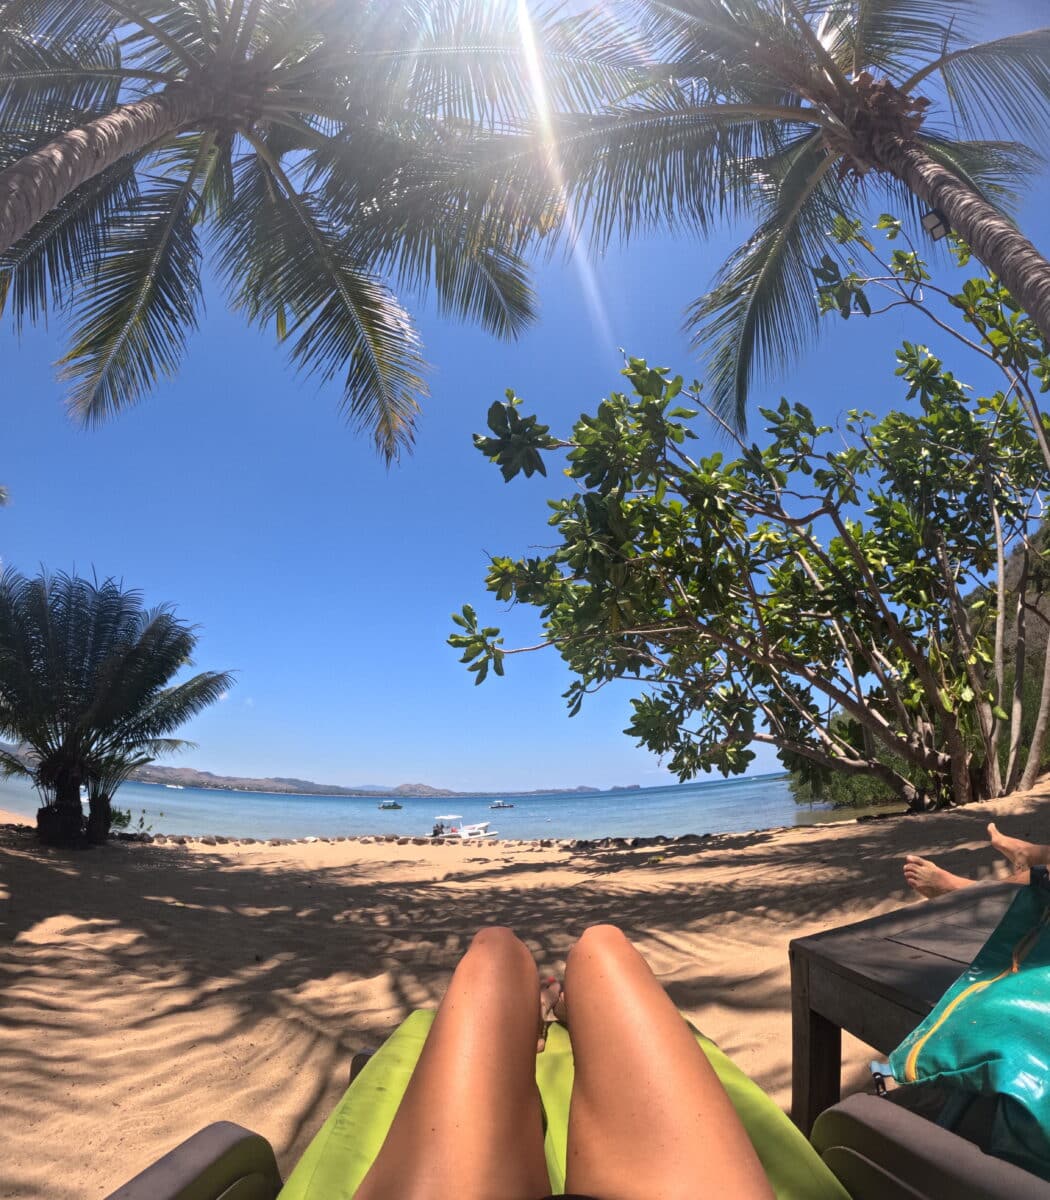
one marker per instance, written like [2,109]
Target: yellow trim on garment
[1019,954]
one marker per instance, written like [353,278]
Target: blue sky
[326,580]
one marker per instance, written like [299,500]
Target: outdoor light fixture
[936,224]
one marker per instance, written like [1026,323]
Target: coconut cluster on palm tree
[86,691]
[788,113]
[313,151]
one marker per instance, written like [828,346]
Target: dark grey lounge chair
[882,1151]
[221,1162]
[877,1149]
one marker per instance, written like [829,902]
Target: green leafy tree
[814,594]
[86,691]
[316,151]
[790,114]
[871,281]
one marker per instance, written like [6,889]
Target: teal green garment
[338,1158]
[989,1034]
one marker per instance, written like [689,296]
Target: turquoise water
[719,806]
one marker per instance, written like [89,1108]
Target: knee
[603,935]
[600,941]
[498,942]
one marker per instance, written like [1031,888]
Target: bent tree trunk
[994,239]
[31,187]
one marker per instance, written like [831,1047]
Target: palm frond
[484,61]
[208,156]
[997,86]
[661,161]
[284,258]
[59,21]
[762,309]
[49,88]
[472,277]
[66,247]
[163,35]
[11,765]
[136,318]
[409,215]
[747,50]
[125,655]
[891,37]
[156,747]
[165,710]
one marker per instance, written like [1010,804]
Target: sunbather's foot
[1020,855]
[930,880]
[552,1006]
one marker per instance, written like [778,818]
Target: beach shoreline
[611,842]
[710,807]
[148,989]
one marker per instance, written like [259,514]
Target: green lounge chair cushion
[337,1159]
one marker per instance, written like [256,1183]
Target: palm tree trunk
[33,186]
[993,238]
[100,817]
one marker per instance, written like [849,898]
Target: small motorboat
[388,804]
[444,828]
[175,787]
[500,804]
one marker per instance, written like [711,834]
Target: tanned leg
[930,880]
[470,1123]
[1020,855]
[648,1116]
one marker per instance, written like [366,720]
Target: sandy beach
[150,989]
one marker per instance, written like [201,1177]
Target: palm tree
[314,147]
[85,691]
[792,112]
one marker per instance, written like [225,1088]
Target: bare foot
[930,880]
[552,1008]
[1020,855]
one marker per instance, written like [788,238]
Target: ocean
[714,806]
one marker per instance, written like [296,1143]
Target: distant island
[289,786]
[189,777]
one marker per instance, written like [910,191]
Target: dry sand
[148,990]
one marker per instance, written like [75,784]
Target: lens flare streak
[581,262]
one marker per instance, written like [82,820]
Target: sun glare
[580,259]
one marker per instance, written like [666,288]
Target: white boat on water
[444,827]
[500,804]
[175,787]
[388,804]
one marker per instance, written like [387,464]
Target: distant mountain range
[190,777]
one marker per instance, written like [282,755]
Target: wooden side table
[878,979]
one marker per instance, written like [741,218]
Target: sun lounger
[866,1148]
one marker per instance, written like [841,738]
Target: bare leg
[648,1116]
[930,880]
[470,1123]
[1020,855]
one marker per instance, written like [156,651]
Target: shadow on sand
[204,958]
